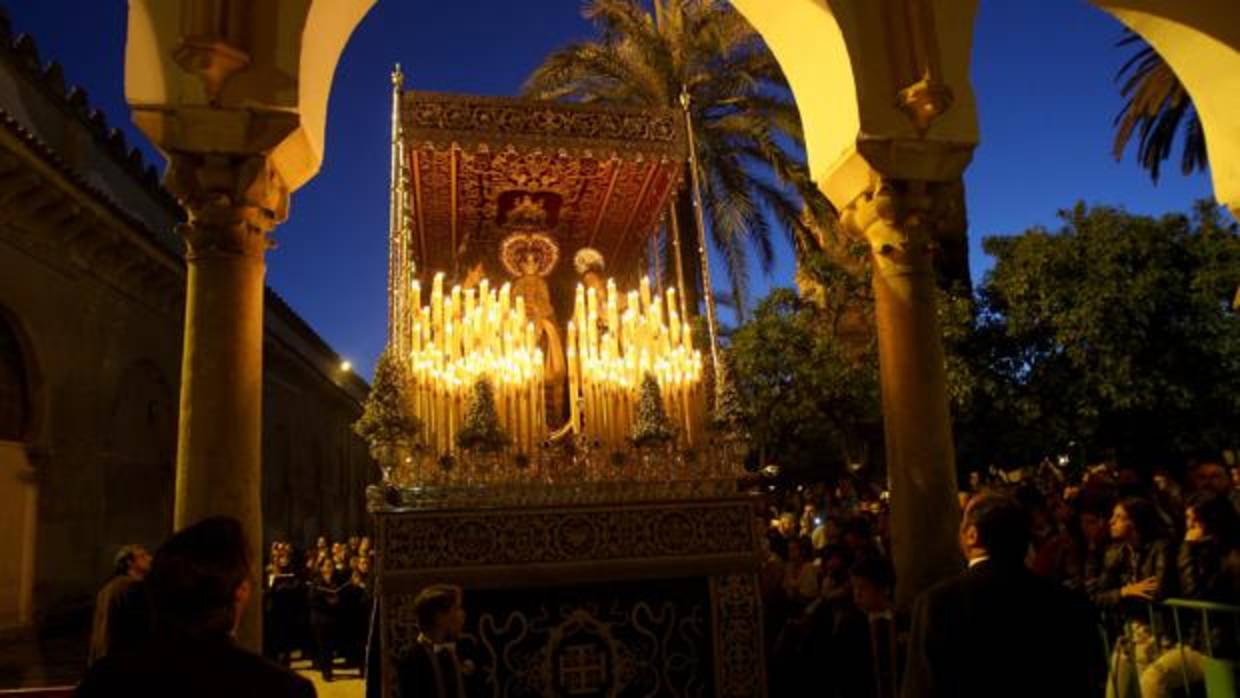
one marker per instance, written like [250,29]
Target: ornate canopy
[483,168]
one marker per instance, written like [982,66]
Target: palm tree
[1158,108]
[746,125]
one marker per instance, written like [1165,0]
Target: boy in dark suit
[431,668]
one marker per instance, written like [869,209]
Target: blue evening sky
[1043,73]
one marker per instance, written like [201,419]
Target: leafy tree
[1115,332]
[1158,108]
[811,401]
[386,423]
[746,124]
[837,304]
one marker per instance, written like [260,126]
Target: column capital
[902,220]
[233,201]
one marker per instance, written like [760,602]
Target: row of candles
[462,336]
[613,342]
[611,350]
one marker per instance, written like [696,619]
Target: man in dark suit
[999,630]
[199,584]
[122,609]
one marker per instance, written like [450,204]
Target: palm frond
[1157,110]
[749,137]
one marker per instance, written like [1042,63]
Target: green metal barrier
[1218,672]
[1182,648]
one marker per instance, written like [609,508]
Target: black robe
[422,671]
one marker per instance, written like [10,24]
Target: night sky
[1043,73]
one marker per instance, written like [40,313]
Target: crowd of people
[1114,541]
[1063,594]
[318,602]
[182,608]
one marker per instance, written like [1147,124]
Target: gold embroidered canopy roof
[480,168]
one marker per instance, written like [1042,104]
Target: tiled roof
[73,99]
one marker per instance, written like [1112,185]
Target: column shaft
[233,204]
[895,220]
[219,449]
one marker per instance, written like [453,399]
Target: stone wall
[92,284]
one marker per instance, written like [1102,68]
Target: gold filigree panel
[421,541]
[472,119]
[739,663]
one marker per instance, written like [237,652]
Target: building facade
[92,281]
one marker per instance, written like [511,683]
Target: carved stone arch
[1200,40]
[139,456]
[21,430]
[16,391]
[882,86]
[21,404]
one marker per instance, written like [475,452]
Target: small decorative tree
[729,415]
[651,426]
[480,430]
[386,423]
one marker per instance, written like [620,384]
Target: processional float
[565,472]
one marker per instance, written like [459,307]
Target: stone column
[897,219]
[233,204]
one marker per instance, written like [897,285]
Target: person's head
[1134,521]
[786,524]
[1210,476]
[832,529]
[1130,483]
[873,581]
[835,558]
[858,534]
[1213,517]
[327,568]
[133,561]
[1093,523]
[363,565]
[200,578]
[364,545]
[796,553]
[439,613]
[995,526]
[1062,512]
[321,543]
[1032,501]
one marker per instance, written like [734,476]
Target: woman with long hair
[1138,570]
